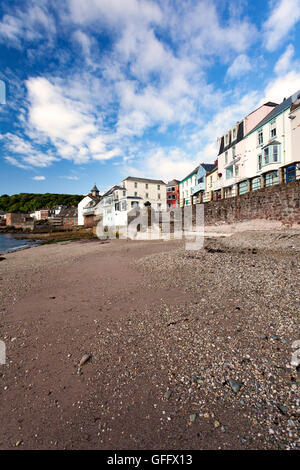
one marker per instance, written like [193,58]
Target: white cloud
[282,87]
[163,164]
[284,63]
[33,24]
[71,178]
[39,178]
[284,15]
[240,66]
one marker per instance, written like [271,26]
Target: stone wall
[279,202]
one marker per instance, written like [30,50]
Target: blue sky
[101,89]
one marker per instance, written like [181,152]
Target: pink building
[232,156]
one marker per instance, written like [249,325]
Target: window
[233,152]
[275,153]
[259,162]
[158,196]
[135,194]
[146,185]
[124,193]
[124,206]
[147,194]
[200,180]
[135,185]
[226,158]
[234,133]
[237,168]
[273,129]
[159,206]
[229,172]
[226,139]
[260,137]
[266,156]
[210,181]
[158,187]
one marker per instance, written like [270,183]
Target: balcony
[198,187]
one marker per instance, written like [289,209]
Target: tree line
[29,202]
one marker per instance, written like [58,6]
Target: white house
[93,195]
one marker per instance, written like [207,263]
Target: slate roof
[208,167]
[144,180]
[239,137]
[286,103]
[69,212]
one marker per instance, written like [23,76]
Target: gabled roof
[69,212]
[208,167]
[239,137]
[144,180]
[286,103]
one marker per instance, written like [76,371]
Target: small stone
[223,429]
[193,417]
[283,409]
[85,358]
[235,386]
[168,394]
[217,424]
[18,443]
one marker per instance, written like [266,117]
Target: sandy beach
[186,349]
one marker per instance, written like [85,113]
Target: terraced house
[273,146]
[233,154]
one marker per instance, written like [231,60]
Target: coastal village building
[211,180]
[186,188]
[199,189]
[293,171]
[273,146]
[144,191]
[41,214]
[19,219]
[173,194]
[2,218]
[69,217]
[94,195]
[232,152]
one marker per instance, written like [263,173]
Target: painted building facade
[199,189]
[172,194]
[186,188]
[272,148]
[232,152]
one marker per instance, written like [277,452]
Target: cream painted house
[144,191]
[211,181]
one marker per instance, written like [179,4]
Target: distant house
[94,195]
[199,189]
[69,217]
[172,194]
[2,218]
[42,214]
[19,219]
[186,187]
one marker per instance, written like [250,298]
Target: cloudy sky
[97,90]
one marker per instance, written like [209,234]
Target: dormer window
[226,139]
[234,133]
[273,132]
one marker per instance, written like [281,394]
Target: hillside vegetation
[30,202]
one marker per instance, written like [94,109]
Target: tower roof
[95,188]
